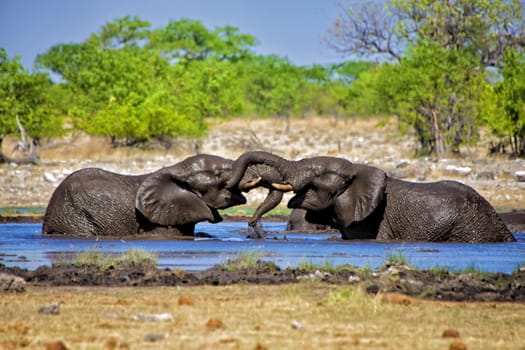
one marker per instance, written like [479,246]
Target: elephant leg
[273,198]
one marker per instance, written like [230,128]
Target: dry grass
[300,316]
[229,138]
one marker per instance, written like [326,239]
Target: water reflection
[22,245]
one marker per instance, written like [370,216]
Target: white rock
[458,169]
[152,317]
[49,177]
[520,175]
[11,283]
[354,279]
[297,324]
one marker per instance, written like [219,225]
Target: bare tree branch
[23,144]
[384,29]
[28,147]
[366,29]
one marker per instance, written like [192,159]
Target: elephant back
[93,202]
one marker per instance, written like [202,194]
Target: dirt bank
[436,284]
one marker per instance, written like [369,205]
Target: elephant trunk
[283,166]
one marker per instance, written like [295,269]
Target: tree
[437,92]
[483,27]
[188,39]
[206,89]
[126,31]
[26,105]
[126,83]
[109,87]
[346,85]
[439,51]
[504,103]
[366,29]
[275,87]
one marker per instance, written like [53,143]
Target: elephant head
[353,191]
[94,202]
[352,194]
[252,170]
[190,191]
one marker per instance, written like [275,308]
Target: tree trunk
[438,137]
[25,145]
[33,157]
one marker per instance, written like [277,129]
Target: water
[22,245]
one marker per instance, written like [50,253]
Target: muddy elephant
[169,202]
[300,220]
[260,175]
[362,202]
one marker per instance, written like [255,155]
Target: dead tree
[28,147]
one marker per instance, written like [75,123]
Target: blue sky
[289,28]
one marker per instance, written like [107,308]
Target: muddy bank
[435,284]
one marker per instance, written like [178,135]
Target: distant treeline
[447,68]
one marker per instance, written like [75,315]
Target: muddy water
[22,245]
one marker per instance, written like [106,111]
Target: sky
[288,28]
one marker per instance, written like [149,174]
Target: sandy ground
[299,316]
[499,179]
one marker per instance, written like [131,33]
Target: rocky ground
[499,179]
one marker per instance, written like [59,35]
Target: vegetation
[251,260]
[244,260]
[439,271]
[395,258]
[27,99]
[442,57]
[309,266]
[448,68]
[137,258]
[29,211]
[326,266]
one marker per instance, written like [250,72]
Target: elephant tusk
[282,187]
[251,184]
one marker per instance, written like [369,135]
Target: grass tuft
[137,258]
[309,266]
[327,266]
[132,258]
[439,272]
[395,258]
[248,260]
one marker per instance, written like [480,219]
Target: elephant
[261,175]
[362,202]
[93,202]
[297,221]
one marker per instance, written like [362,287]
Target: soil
[426,284]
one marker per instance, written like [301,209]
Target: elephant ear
[164,200]
[362,197]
